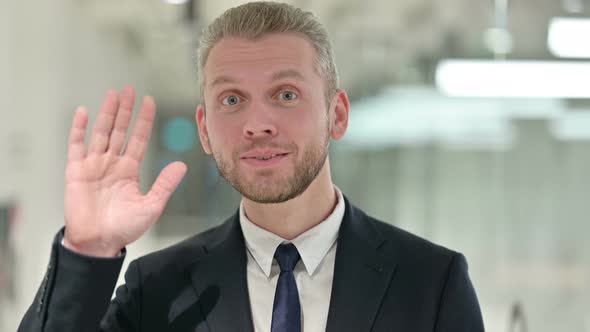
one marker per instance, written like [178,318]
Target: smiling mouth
[268,157]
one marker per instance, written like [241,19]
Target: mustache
[265,145]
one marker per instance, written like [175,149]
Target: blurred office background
[470,126]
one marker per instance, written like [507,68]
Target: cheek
[305,130]
[223,135]
[308,112]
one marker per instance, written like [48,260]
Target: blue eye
[230,100]
[288,95]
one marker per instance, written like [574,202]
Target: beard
[268,187]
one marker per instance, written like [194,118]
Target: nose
[260,123]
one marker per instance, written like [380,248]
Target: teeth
[267,157]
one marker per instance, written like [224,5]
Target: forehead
[241,58]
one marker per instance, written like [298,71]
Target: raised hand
[105,209]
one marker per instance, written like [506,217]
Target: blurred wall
[518,215]
[51,61]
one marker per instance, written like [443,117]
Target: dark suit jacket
[385,279]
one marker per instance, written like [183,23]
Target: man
[296,255]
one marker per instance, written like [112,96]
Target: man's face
[267,123]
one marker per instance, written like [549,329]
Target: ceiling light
[569,37]
[532,79]
[176,2]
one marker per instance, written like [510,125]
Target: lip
[256,163]
[261,153]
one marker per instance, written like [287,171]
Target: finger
[119,132]
[101,131]
[142,130]
[166,184]
[77,135]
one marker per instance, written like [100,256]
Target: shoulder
[408,248]
[422,267]
[186,253]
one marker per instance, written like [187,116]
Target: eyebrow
[290,73]
[222,80]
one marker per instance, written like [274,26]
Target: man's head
[269,87]
[255,20]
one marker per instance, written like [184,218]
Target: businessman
[297,255]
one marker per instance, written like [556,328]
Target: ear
[201,124]
[339,112]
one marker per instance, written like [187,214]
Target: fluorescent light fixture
[417,116]
[569,37]
[529,79]
[176,2]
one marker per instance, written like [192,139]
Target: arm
[104,210]
[76,294]
[459,309]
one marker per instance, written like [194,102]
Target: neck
[293,217]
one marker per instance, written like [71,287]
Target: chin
[273,194]
[265,198]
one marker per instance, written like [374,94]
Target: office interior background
[470,126]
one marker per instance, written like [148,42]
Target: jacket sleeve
[459,309]
[75,295]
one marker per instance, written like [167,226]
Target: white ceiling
[377,42]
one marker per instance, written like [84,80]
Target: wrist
[91,249]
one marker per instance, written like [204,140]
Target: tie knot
[287,256]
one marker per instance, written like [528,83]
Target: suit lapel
[362,274]
[221,282]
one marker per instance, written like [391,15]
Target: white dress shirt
[313,273]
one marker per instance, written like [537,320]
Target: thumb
[166,183]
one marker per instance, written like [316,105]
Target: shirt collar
[313,244]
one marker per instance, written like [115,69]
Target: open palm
[105,209]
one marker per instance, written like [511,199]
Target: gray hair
[255,19]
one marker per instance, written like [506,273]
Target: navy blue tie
[286,311]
